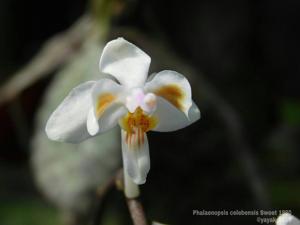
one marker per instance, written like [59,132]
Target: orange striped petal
[104,101]
[173,87]
[107,106]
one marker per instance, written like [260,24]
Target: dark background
[247,50]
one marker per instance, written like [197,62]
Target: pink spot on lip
[139,96]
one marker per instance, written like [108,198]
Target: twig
[111,182]
[103,194]
[136,211]
[21,127]
[241,149]
[134,205]
[53,53]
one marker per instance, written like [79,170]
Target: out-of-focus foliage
[69,174]
[291,112]
[28,213]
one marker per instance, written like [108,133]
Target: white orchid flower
[162,103]
[287,219]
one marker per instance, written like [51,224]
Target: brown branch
[136,211]
[56,51]
[134,205]
[111,182]
[237,141]
[102,194]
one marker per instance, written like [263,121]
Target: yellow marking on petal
[136,124]
[173,93]
[104,100]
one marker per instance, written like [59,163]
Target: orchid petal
[108,120]
[126,62]
[107,106]
[173,87]
[150,77]
[136,158]
[172,119]
[68,122]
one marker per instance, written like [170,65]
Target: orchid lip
[137,122]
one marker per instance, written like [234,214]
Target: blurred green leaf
[285,193]
[290,111]
[30,212]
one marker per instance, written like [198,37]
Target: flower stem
[136,211]
[131,190]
